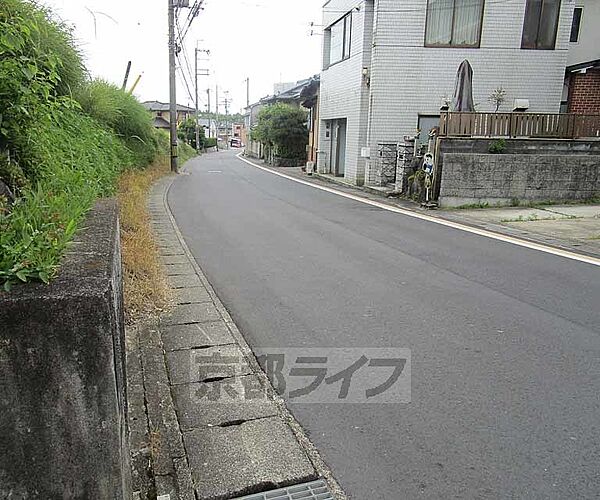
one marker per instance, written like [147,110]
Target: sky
[267,41]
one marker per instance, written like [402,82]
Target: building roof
[160,122]
[310,92]
[584,65]
[292,94]
[161,106]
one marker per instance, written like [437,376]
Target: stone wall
[62,397]
[502,179]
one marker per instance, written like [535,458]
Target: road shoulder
[197,445]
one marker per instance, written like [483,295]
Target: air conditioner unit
[310,167]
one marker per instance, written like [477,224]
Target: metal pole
[172,88]
[248,92]
[126,75]
[196,89]
[208,109]
[217,120]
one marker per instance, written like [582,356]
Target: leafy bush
[122,113]
[187,133]
[497,147]
[38,65]
[210,142]
[282,129]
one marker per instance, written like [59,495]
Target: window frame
[346,19]
[537,47]
[452,45]
[580,9]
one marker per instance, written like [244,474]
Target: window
[340,35]
[576,24]
[541,23]
[453,23]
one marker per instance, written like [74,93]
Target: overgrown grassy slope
[64,140]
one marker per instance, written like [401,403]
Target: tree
[497,97]
[187,133]
[281,128]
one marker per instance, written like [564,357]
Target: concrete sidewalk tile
[179,269]
[185,487]
[198,365]
[174,259]
[165,485]
[222,402]
[165,437]
[169,247]
[241,459]
[185,281]
[192,295]
[196,335]
[167,252]
[184,314]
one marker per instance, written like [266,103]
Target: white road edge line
[442,222]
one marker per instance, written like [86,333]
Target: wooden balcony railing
[533,125]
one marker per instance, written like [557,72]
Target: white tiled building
[389,64]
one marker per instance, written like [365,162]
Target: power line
[183,49]
[192,14]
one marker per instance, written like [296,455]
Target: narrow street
[505,340]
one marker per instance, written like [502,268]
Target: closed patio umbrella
[463,88]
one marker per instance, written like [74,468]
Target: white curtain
[467,22]
[336,48]
[548,21]
[439,22]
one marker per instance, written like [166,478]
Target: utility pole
[205,72]
[196,90]
[217,120]
[172,87]
[226,102]
[208,109]
[248,92]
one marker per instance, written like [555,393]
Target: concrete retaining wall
[62,397]
[502,179]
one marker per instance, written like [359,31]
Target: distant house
[388,65]
[582,82]
[292,95]
[310,100]
[161,114]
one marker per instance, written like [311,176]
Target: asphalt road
[505,340]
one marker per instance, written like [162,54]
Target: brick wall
[500,179]
[584,92]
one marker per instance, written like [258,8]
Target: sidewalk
[195,433]
[570,227]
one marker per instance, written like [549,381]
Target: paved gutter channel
[455,215]
[183,445]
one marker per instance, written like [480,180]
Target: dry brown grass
[146,289]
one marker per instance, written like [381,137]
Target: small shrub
[497,147]
[210,142]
